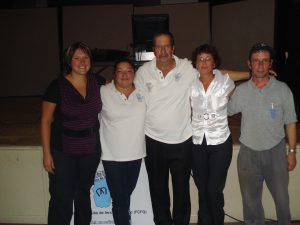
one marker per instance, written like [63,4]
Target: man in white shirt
[167,81]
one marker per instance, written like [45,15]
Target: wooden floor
[20,117]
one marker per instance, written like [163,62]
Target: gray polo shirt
[264,113]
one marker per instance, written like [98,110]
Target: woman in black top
[70,137]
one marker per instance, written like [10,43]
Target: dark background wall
[29,50]
[188,22]
[238,25]
[32,41]
[32,38]
[288,46]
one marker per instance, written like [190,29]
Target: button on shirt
[209,109]
[168,117]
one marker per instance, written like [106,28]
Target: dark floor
[19,120]
[20,117]
[234,223]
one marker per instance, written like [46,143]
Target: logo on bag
[100,190]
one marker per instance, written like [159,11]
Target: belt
[81,133]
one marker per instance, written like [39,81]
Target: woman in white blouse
[212,142]
[122,137]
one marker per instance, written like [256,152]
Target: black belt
[81,133]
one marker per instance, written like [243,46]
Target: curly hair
[209,49]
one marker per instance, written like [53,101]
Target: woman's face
[81,62]
[124,75]
[205,63]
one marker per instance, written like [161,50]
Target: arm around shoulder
[237,75]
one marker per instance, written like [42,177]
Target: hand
[273,73]
[291,158]
[48,163]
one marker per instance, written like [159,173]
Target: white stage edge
[24,190]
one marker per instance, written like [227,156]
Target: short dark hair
[209,49]
[125,60]
[160,33]
[261,46]
[69,53]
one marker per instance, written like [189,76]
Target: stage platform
[20,118]
[24,183]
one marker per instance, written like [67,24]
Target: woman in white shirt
[122,137]
[212,142]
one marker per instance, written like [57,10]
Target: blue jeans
[255,167]
[121,180]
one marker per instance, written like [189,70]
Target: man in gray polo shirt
[267,109]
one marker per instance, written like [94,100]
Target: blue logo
[273,111]
[100,190]
[139,97]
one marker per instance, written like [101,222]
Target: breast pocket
[274,111]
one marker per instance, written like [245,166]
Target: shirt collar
[153,62]
[268,85]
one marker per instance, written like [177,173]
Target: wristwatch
[292,150]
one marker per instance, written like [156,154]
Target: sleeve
[289,106]
[229,84]
[52,92]
[233,104]
[138,80]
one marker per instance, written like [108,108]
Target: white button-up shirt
[209,109]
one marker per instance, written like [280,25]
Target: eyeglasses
[161,47]
[263,61]
[204,59]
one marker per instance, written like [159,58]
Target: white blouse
[209,109]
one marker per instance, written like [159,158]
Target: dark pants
[121,179]
[161,160]
[257,167]
[210,166]
[71,182]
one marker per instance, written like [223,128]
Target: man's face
[163,49]
[260,64]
